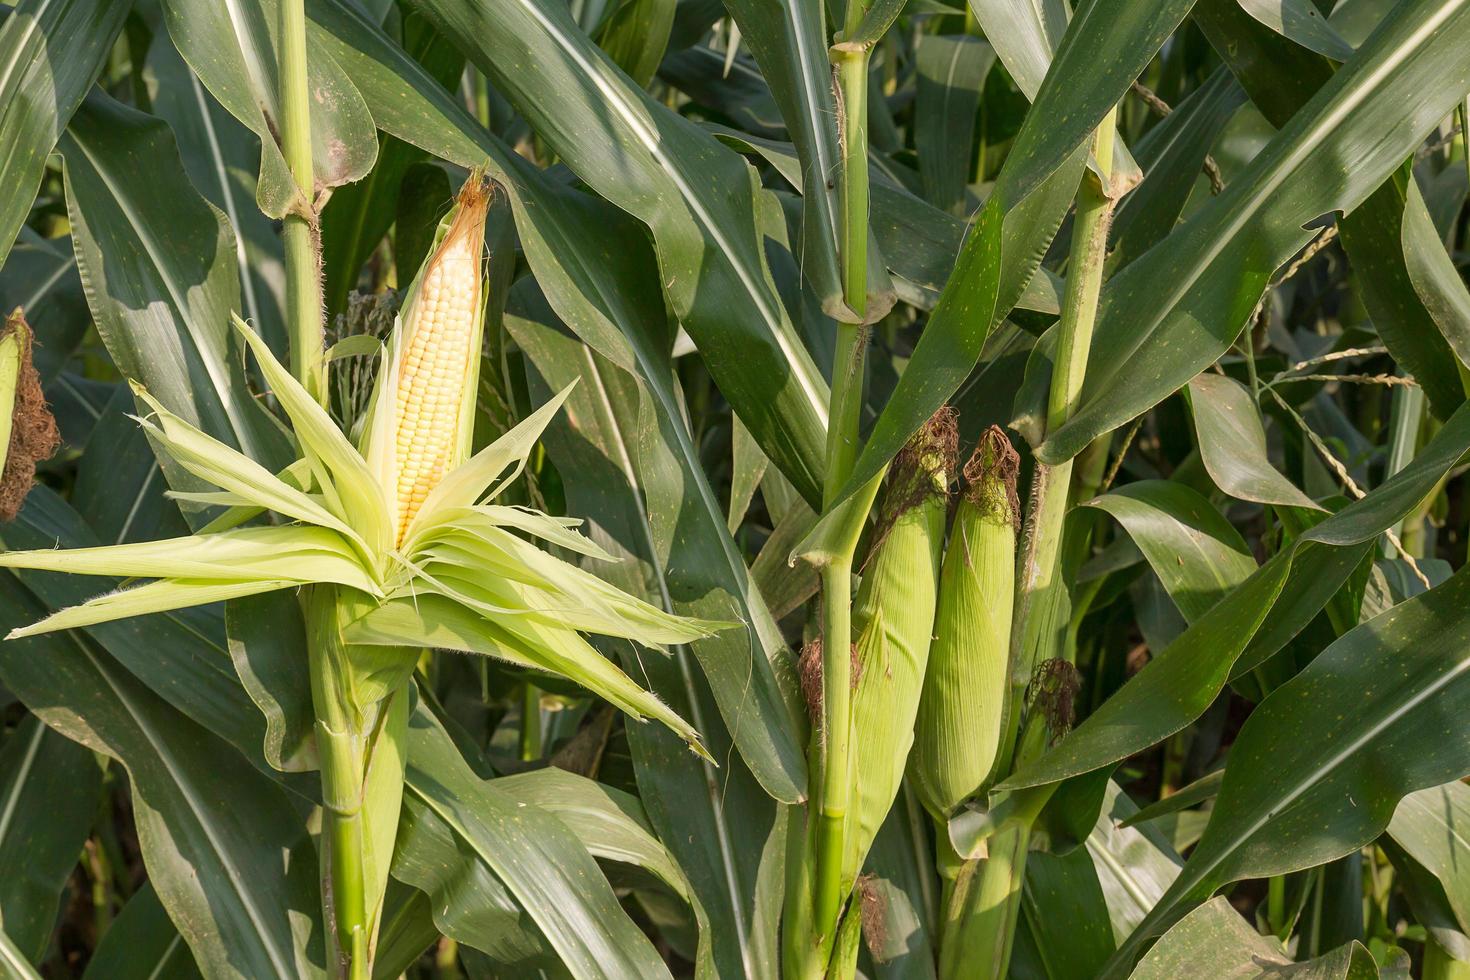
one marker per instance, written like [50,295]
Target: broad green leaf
[1134,866]
[221,158]
[120,488]
[231,48]
[951,76]
[50,53]
[702,573]
[407,930]
[1105,48]
[224,845]
[702,202]
[1433,826]
[1433,274]
[611,824]
[787,39]
[159,265]
[748,465]
[1323,762]
[40,276]
[637,35]
[49,790]
[1302,22]
[1172,312]
[142,944]
[1195,551]
[267,644]
[1413,309]
[522,848]
[14,961]
[1232,444]
[1171,155]
[1215,940]
[709,818]
[1063,902]
[1025,36]
[1248,625]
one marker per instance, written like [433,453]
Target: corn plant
[501,488]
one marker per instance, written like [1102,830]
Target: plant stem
[845,407]
[1039,618]
[340,748]
[530,723]
[851,61]
[298,232]
[986,909]
[836,727]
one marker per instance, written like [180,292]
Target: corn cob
[439,359]
[894,619]
[961,711]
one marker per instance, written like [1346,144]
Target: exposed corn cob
[437,360]
[894,619]
[961,711]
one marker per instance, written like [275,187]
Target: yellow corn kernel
[437,360]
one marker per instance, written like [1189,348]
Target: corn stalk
[985,907]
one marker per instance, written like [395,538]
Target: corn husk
[893,617]
[961,711]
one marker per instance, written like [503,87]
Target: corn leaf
[224,845]
[1152,341]
[541,863]
[232,50]
[1335,733]
[49,790]
[1180,682]
[161,301]
[707,817]
[144,946]
[39,92]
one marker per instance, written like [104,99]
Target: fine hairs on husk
[1053,692]
[33,433]
[874,915]
[922,469]
[990,477]
[809,675]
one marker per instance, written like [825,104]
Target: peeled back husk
[961,711]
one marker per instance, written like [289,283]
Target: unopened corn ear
[421,421]
[961,712]
[894,619]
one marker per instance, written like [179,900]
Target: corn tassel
[961,711]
